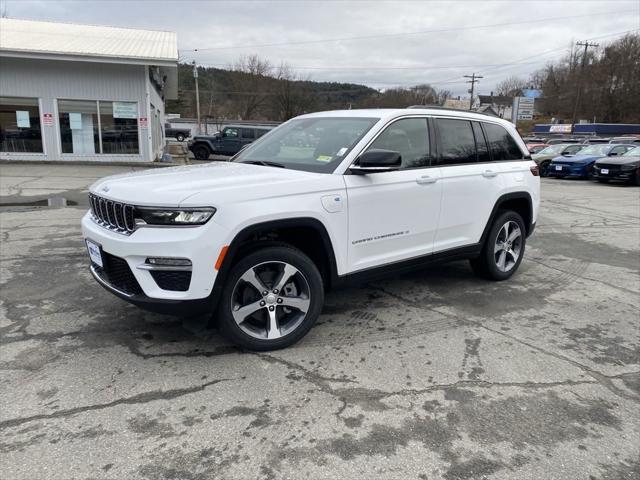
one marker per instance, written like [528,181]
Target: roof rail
[440,107]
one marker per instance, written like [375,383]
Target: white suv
[324,199]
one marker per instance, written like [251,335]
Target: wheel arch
[307,234]
[519,202]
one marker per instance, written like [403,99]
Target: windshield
[596,150]
[634,152]
[310,144]
[552,150]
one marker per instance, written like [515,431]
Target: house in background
[498,105]
[84,92]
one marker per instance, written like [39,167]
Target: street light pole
[195,77]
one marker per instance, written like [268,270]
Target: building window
[119,127]
[79,126]
[20,125]
[114,131]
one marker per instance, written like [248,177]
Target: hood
[174,185]
[621,160]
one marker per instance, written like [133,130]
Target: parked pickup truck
[229,141]
[179,134]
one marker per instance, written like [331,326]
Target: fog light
[170,261]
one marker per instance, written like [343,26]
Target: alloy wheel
[508,246]
[270,300]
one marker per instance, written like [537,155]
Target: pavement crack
[138,399]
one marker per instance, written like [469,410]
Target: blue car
[581,164]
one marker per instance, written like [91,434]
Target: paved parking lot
[436,375]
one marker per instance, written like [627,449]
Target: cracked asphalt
[434,375]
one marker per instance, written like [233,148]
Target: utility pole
[474,78]
[586,46]
[195,77]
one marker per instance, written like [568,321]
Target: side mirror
[613,154]
[376,161]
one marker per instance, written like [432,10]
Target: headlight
[630,166]
[173,216]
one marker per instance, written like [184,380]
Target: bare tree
[252,83]
[511,86]
[291,97]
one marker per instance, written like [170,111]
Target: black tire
[603,180]
[180,137]
[201,152]
[637,179]
[307,275]
[544,169]
[486,265]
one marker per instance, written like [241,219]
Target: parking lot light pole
[195,77]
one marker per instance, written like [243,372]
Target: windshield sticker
[324,158]
[342,151]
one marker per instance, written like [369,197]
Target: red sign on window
[47,119]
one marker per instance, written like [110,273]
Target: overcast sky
[405,42]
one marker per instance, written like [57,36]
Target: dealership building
[83,92]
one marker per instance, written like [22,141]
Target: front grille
[115,216]
[116,272]
[611,168]
[178,281]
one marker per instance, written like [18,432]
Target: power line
[404,34]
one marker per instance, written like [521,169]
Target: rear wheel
[271,299]
[180,137]
[503,249]
[201,152]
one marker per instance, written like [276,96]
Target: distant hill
[238,95]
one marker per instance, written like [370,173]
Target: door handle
[425,179]
[489,174]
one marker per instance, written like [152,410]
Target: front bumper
[180,308]
[618,174]
[200,244]
[567,170]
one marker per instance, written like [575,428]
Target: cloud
[224,30]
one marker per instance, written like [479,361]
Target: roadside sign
[563,128]
[523,108]
[47,119]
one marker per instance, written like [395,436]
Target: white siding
[49,80]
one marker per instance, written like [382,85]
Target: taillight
[535,171]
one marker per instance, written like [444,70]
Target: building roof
[29,38]
[501,100]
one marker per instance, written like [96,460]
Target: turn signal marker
[223,253]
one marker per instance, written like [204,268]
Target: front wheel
[201,152]
[180,137]
[271,299]
[503,249]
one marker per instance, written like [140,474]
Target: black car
[626,167]
[229,141]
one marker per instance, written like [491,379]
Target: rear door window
[247,134]
[457,142]
[481,143]
[503,146]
